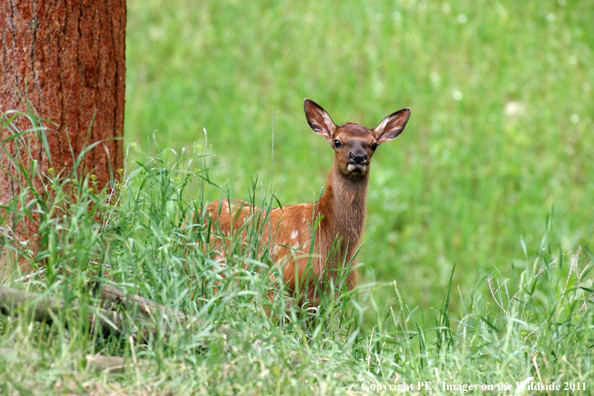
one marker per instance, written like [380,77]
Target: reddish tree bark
[68,59]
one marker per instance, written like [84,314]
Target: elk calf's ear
[318,119]
[391,126]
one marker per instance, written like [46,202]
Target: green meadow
[476,264]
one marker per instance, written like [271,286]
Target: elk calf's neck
[334,224]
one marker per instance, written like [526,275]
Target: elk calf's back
[334,224]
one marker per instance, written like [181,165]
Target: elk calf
[334,224]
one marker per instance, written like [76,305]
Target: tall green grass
[535,326]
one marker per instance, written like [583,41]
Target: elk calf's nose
[358,156]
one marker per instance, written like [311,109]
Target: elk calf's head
[354,144]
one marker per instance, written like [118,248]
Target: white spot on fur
[294,235]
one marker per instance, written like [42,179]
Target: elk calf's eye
[374,146]
[337,143]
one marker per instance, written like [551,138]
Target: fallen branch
[137,311]
[112,297]
[43,309]
[47,309]
[109,318]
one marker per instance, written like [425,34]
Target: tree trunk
[67,59]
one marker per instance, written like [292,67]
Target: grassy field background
[477,262]
[500,135]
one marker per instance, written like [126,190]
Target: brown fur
[339,215]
